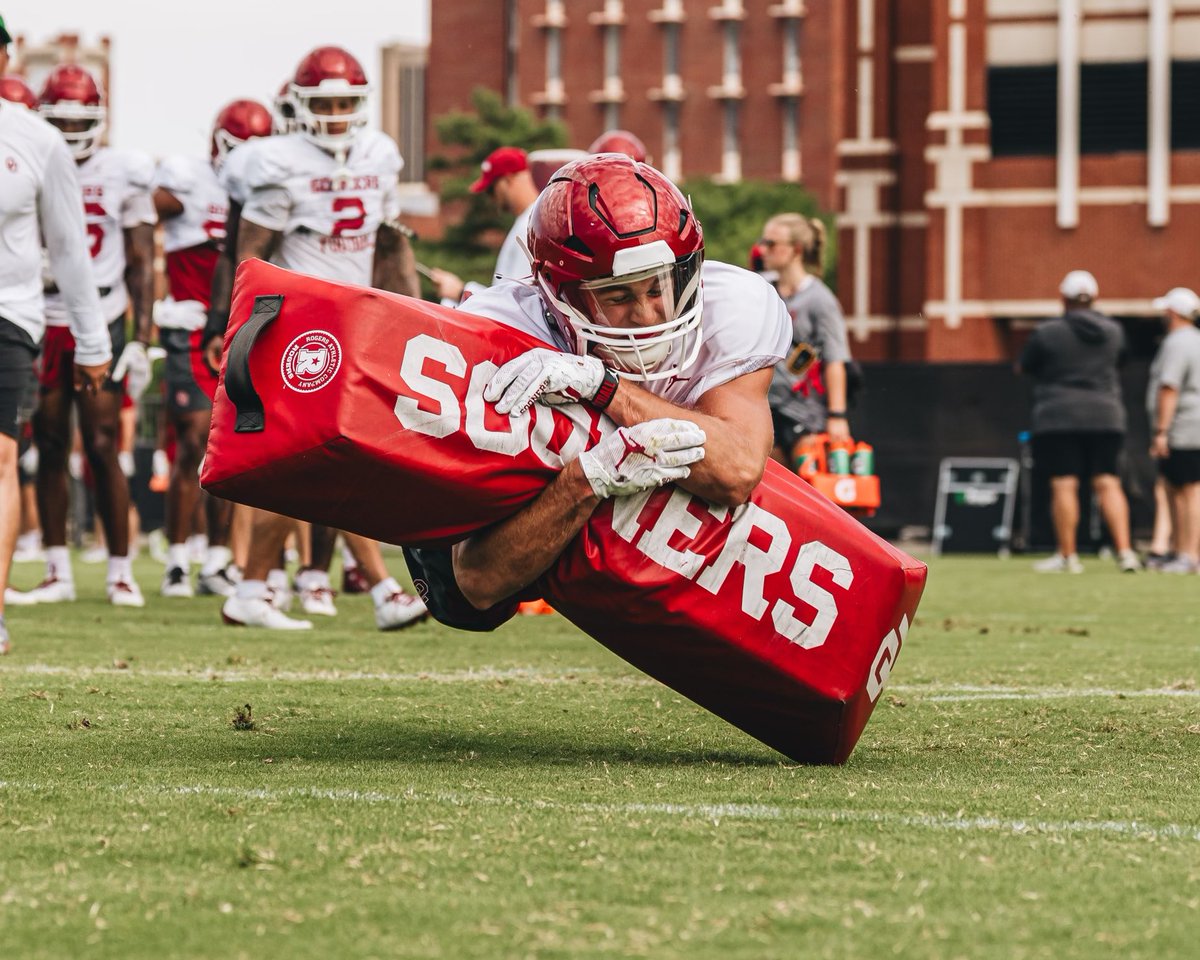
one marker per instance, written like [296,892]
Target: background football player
[120,220]
[193,207]
[323,201]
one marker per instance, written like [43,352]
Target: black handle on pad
[238,385]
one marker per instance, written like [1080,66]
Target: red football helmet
[607,221]
[15,90]
[325,73]
[283,109]
[619,141]
[72,98]
[238,121]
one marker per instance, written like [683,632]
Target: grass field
[1029,786]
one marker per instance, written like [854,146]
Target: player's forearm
[394,268]
[498,562]
[835,385]
[139,279]
[1168,401]
[735,451]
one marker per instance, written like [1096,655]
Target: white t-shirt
[192,240]
[327,213]
[745,327]
[116,197]
[1177,364]
[37,183]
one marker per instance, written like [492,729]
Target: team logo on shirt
[311,361]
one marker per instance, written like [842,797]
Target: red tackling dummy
[364,410]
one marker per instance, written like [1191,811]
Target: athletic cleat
[354,580]
[1156,561]
[1128,562]
[176,583]
[1059,564]
[51,590]
[17,598]
[258,612]
[1180,563]
[317,601]
[400,610]
[125,593]
[218,584]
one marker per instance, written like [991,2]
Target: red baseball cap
[499,163]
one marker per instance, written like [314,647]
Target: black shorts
[1079,453]
[190,383]
[1181,467]
[18,394]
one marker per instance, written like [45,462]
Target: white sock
[120,569]
[58,564]
[197,544]
[29,540]
[216,560]
[177,556]
[384,589]
[252,590]
[348,561]
[276,579]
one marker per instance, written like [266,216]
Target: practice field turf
[1029,786]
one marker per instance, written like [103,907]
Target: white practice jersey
[328,213]
[39,200]
[116,197]
[192,240]
[745,327]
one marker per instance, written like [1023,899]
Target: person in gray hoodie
[1078,422]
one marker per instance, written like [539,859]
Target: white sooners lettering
[678,516]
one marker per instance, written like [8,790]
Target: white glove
[543,376]
[136,360]
[642,457]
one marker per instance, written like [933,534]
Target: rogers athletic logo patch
[311,361]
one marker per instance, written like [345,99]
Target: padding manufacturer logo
[311,361]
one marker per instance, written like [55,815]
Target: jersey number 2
[354,214]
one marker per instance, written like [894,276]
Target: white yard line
[715,813]
[931,693]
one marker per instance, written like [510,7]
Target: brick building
[974,150]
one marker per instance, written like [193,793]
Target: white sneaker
[258,612]
[1181,563]
[1059,564]
[51,590]
[317,601]
[125,593]
[400,610]
[176,583]
[18,598]
[1128,562]
[219,584]
[5,646]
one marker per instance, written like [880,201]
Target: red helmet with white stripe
[73,102]
[239,121]
[15,90]
[616,253]
[324,76]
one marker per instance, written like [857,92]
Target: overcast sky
[174,65]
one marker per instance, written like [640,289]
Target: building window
[1023,104]
[1113,100]
[610,96]
[1185,105]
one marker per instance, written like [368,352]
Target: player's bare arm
[139,278]
[166,204]
[394,268]
[498,562]
[222,289]
[505,558]
[737,421]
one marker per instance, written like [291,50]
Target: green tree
[492,124]
[733,215]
